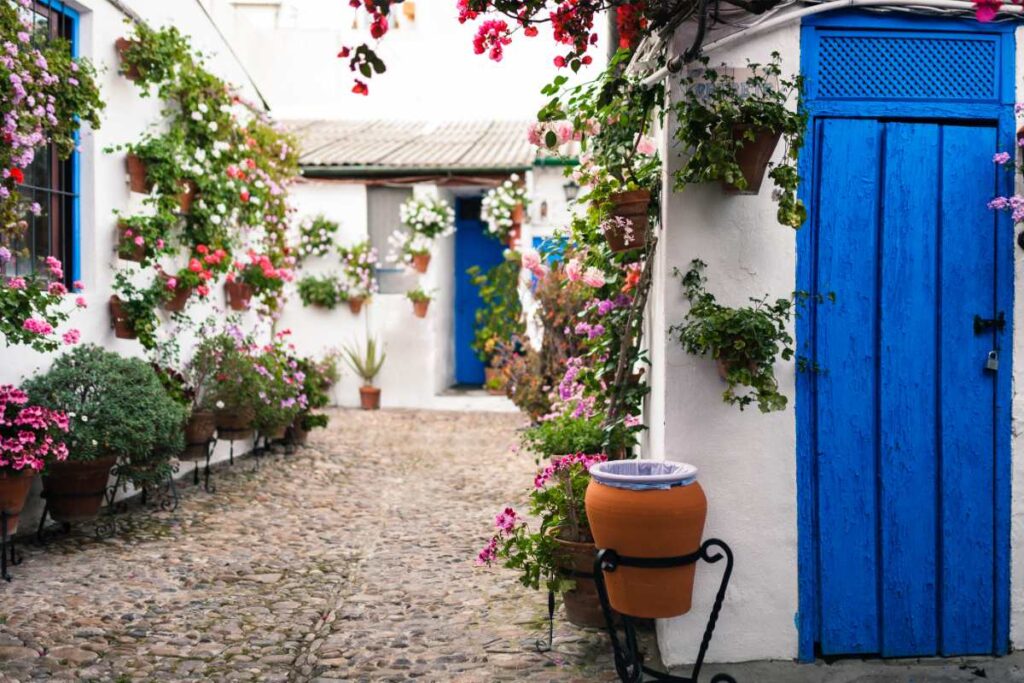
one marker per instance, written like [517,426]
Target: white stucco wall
[747,460]
[1017,448]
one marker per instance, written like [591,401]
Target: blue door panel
[473,247]
[846,422]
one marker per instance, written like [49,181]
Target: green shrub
[117,407]
[322,291]
[566,435]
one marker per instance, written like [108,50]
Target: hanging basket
[647,509]
[123,328]
[753,157]
[419,308]
[633,207]
[14,488]
[239,295]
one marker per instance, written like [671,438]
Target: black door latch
[985,324]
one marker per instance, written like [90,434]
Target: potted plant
[259,277]
[133,309]
[31,438]
[503,208]
[281,393]
[176,293]
[559,553]
[366,362]
[358,274]
[411,249]
[323,291]
[564,435]
[119,413]
[234,390]
[316,237]
[317,379]
[744,342]
[731,129]
[420,299]
[431,217]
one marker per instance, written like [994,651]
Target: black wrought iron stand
[628,658]
[211,446]
[105,523]
[8,554]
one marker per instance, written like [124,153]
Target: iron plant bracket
[9,556]
[628,658]
[211,446]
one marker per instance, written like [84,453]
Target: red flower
[244,195]
[202,249]
[559,61]
[530,31]
[360,88]
[195,266]
[345,52]
[18,176]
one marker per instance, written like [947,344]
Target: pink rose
[574,270]
[645,145]
[593,277]
[564,131]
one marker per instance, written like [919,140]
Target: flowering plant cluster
[225,362]
[556,500]
[282,395]
[499,319]
[316,237]
[30,436]
[405,245]
[260,274]
[33,306]
[358,271]
[430,217]
[500,207]
[45,96]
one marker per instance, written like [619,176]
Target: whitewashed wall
[1017,448]
[747,460]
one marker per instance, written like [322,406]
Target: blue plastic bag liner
[640,475]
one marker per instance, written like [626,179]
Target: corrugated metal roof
[402,145]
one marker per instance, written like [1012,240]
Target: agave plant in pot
[31,438]
[118,412]
[558,551]
[366,362]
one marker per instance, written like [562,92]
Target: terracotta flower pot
[131,72]
[186,194]
[275,433]
[123,328]
[753,157]
[14,487]
[419,308]
[515,233]
[234,425]
[127,249]
[724,366]
[198,431]
[491,374]
[296,434]
[420,262]
[74,491]
[648,523]
[356,305]
[369,398]
[239,295]
[138,180]
[582,604]
[631,206]
[179,299]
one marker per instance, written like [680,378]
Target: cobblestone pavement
[349,560]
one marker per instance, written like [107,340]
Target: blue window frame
[51,182]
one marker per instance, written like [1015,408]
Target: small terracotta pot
[724,366]
[582,604]
[123,328]
[234,425]
[130,72]
[186,194]
[181,296]
[369,398]
[419,308]
[297,435]
[138,180]
[14,487]
[633,207]
[126,247]
[420,262]
[239,295]
[356,305]
[74,491]
[649,523]
[753,157]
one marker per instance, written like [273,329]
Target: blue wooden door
[905,409]
[473,247]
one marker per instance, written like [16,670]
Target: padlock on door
[992,362]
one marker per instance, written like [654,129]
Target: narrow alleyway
[351,560]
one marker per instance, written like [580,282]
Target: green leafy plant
[500,319]
[139,306]
[316,236]
[745,341]
[317,379]
[418,294]
[117,406]
[225,359]
[323,291]
[718,116]
[565,434]
[281,395]
[365,361]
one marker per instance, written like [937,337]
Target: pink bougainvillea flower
[986,10]
[1001,158]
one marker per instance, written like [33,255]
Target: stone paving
[349,560]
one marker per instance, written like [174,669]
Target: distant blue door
[904,432]
[473,247]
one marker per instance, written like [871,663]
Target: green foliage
[139,305]
[418,294]
[229,372]
[367,361]
[323,291]
[35,300]
[318,378]
[117,406]
[745,341]
[717,117]
[316,237]
[500,319]
[280,389]
[565,435]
